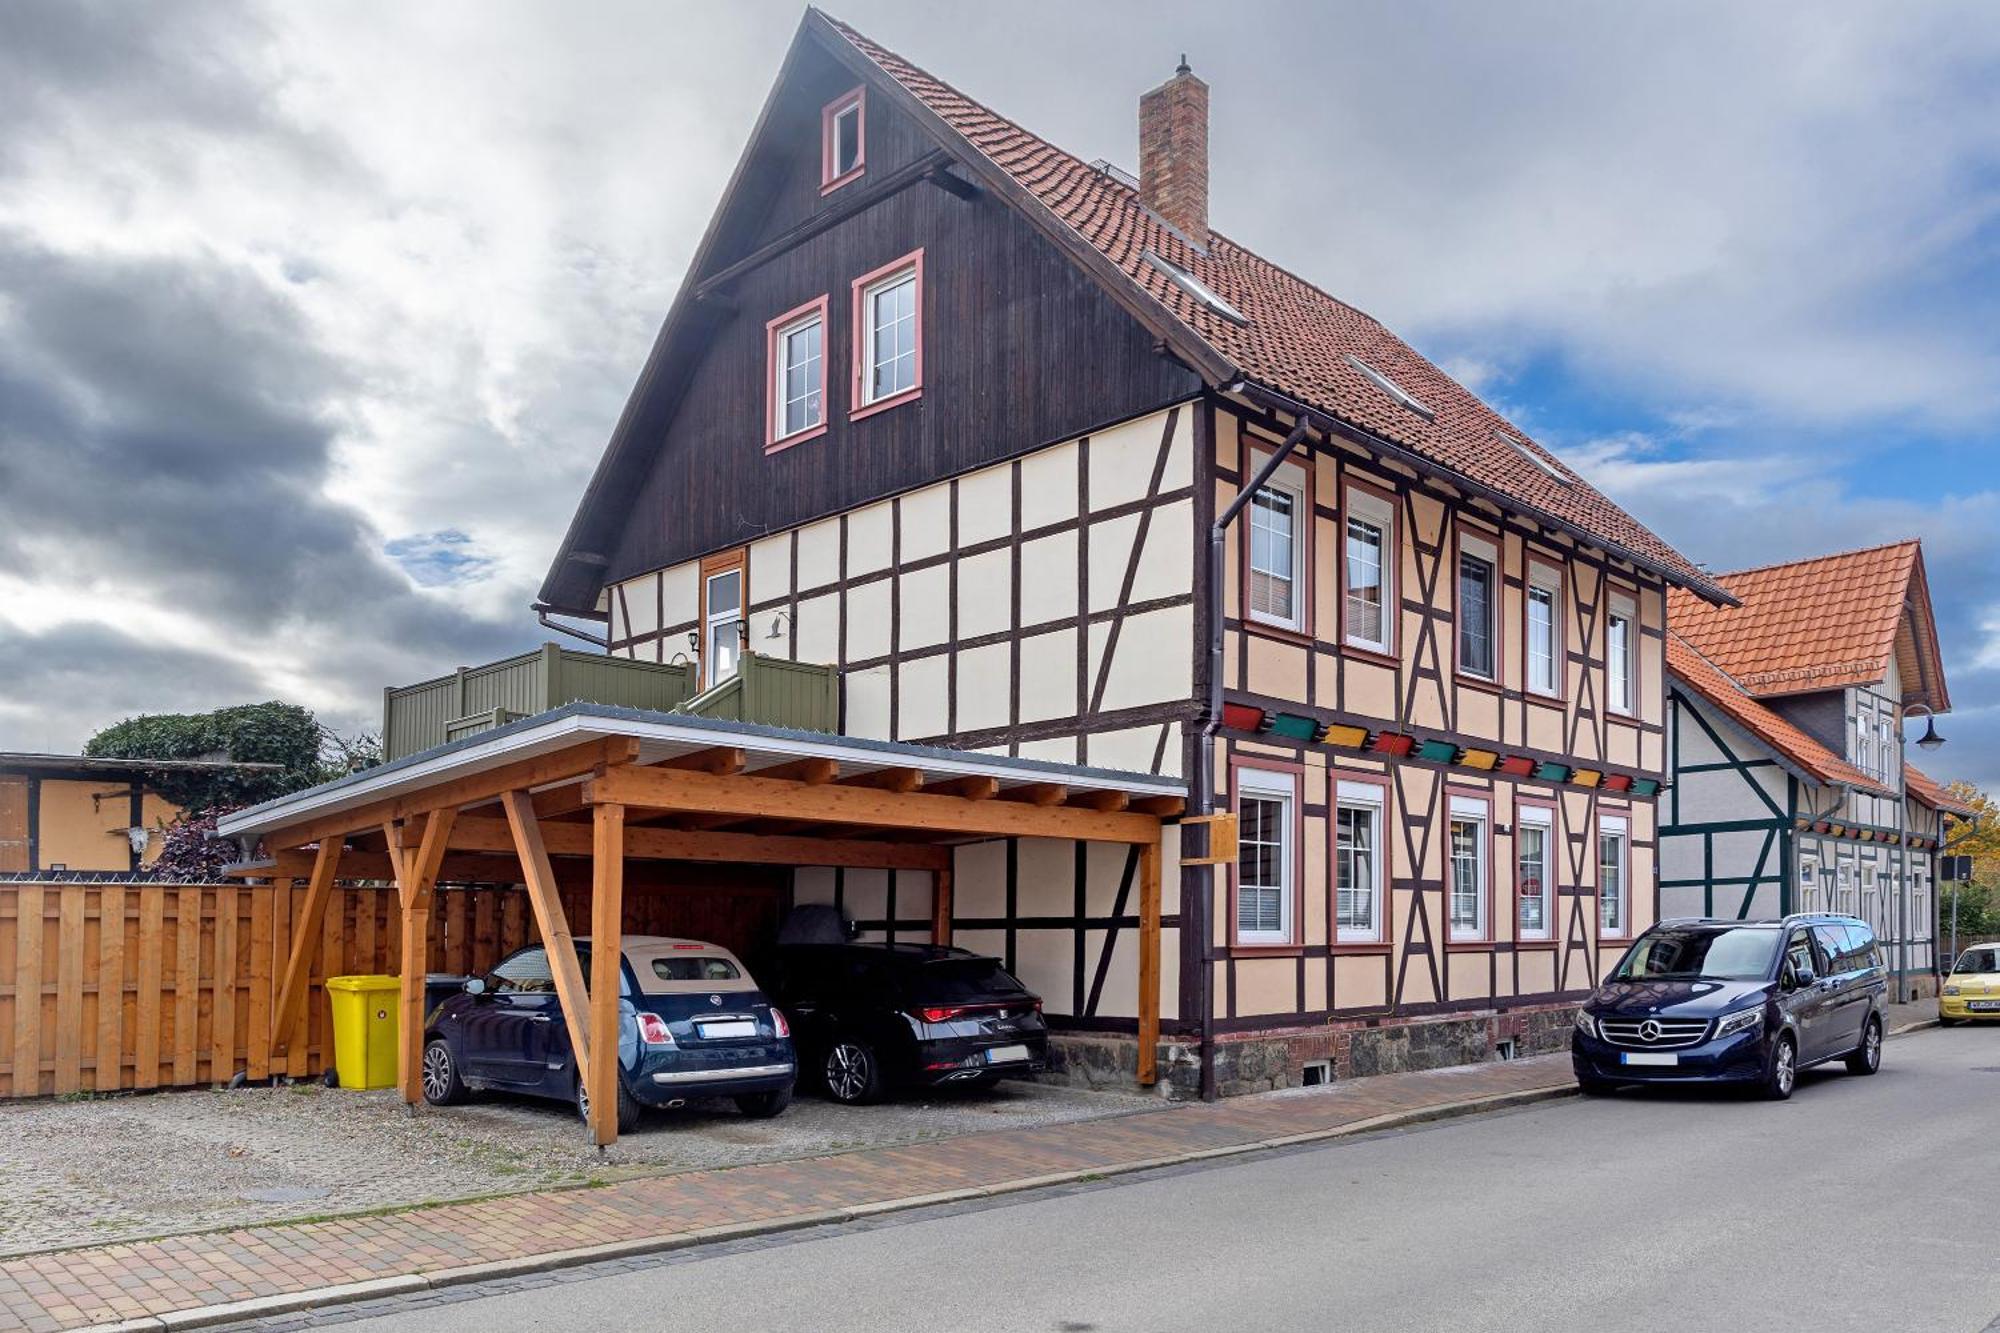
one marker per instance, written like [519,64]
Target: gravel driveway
[88,1171]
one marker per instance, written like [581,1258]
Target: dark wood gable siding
[1020,350]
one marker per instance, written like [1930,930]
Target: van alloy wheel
[1784,1070]
[1867,1057]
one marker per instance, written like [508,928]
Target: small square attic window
[1196,288]
[1393,389]
[1521,448]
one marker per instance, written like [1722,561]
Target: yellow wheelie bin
[365,1023]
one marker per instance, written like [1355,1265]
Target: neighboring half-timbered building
[1790,790]
[1045,466]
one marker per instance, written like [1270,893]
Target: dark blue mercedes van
[1748,1002]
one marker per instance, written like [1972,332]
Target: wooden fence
[113,986]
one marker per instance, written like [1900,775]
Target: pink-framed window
[1361,859]
[1621,651]
[888,335]
[1542,614]
[1535,853]
[795,376]
[843,139]
[1477,649]
[1368,556]
[1614,876]
[1469,867]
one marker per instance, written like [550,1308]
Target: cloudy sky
[314,318]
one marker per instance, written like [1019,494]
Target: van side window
[1834,945]
[1867,953]
[1799,954]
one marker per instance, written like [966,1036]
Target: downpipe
[1218,538]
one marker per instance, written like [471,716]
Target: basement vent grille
[1393,389]
[1196,288]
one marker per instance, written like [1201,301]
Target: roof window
[1196,288]
[1393,389]
[1521,448]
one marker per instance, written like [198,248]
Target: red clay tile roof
[1708,680]
[1297,338]
[1923,787]
[1816,624]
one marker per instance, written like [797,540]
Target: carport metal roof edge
[763,746]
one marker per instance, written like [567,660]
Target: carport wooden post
[607,952]
[1149,963]
[305,935]
[941,906]
[416,881]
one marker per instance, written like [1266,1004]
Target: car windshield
[1709,953]
[1979,960]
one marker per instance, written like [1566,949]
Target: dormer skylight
[1196,288]
[1521,448]
[1393,389]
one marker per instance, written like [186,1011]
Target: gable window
[1368,572]
[842,144]
[797,380]
[722,603]
[888,335]
[1266,804]
[1613,867]
[1279,515]
[1477,602]
[1471,820]
[1544,629]
[1534,833]
[1358,851]
[1618,685]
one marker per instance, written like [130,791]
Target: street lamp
[1930,740]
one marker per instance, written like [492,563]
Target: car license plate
[1005,1055]
[723,1031]
[1648,1058]
[1983,1006]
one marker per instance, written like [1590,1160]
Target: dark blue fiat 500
[692,1024]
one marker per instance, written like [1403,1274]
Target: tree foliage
[306,753]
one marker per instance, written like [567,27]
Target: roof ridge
[1819,559]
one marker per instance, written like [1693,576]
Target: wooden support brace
[305,934]
[546,903]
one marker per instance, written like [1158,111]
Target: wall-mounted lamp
[781,616]
[1930,740]
[694,642]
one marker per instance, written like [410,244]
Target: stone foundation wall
[1355,1048]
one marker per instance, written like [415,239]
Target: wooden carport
[616,789]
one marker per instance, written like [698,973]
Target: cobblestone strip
[266,1270]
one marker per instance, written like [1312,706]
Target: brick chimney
[1173,153]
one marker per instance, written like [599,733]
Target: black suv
[868,1016]
[1751,1002]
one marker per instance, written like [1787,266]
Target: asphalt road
[1864,1203]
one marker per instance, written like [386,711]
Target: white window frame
[1544,579]
[1377,513]
[1270,785]
[1486,553]
[910,275]
[1466,809]
[1362,796]
[1288,481]
[781,341]
[713,620]
[1620,675]
[1620,827]
[1542,819]
[849,107]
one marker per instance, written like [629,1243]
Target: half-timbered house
[1790,791]
[1044,465]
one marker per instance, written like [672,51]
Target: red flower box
[1618,782]
[1394,743]
[1242,717]
[1517,766]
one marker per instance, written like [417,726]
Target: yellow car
[1972,988]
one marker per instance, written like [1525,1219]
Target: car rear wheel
[442,1084]
[851,1073]
[1781,1071]
[764,1105]
[628,1107]
[1867,1057]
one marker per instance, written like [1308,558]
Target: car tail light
[942,1013]
[778,1022]
[653,1030]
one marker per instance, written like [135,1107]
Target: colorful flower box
[1295,727]
[1393,743]
[1479,759]
[1351,738]
[1437,752]
[1242,717]
[1645,786]
[1585,777]
[1517,765]
[1618,782]
[1549,772]
[1822,827]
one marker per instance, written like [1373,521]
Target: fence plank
[187,983]
[69,990]
[222,1043]
[27,1063]
[108,1069]
[147,1015]
[263,943]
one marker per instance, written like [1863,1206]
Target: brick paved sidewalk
[107,1284]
